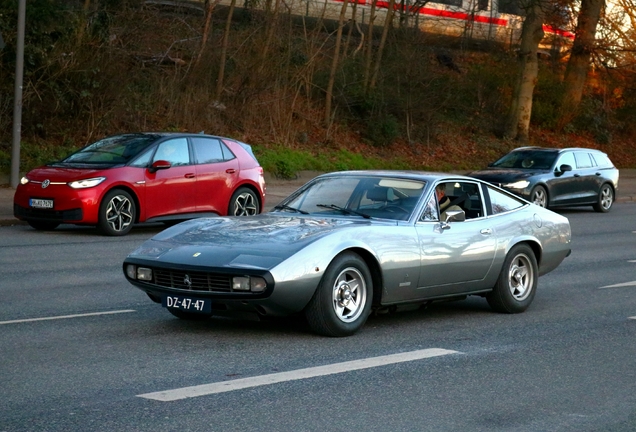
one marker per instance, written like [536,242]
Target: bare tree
[369,50]
[579,62]
[334,62]
[206,27]
[385,31]
[224,44]
[518,122]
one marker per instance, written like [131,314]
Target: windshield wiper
[290,208]
[344,210]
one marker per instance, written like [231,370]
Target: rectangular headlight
[241,283]
[518,184]
[257,284]
[144,274]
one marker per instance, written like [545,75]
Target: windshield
[117,149]
[358,197]
[527,159]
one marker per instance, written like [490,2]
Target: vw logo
[187,281]
[46,183]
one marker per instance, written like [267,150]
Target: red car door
[217,170]
[171,191]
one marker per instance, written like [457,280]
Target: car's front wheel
[342,302]
[244,203]
[605,199]
[539,196]
[43,225]
[517,283]
[117,213]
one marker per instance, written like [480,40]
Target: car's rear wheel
[605,199]
[117,213]
[539,196]
[188,315]
[43,225]
[244,203]
[517,283]
[342,302]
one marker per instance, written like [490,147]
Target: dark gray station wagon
[556,177]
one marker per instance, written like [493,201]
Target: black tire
[244,202]
[188,316]
[43,225]
[605,199]
[517,283]
[117,213]
[342,302]
[539,196]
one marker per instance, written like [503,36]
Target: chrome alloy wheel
[349,295]
[606,198]
[539,197]
[245,205]
[119,213]
[520,277]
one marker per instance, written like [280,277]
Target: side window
[566,159]
[450,2]
[602,160]
[207,150]
[502,203]
[227,153]
[143,160]
[583,160]
[430,211]
[174,151]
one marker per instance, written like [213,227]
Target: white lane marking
[226,386]
[634,318]
[66,316]
[620,285]
[631,261]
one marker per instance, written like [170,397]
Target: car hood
[261,241]
[57,174]
[505,175]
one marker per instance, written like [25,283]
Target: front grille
[50,215]
[199,281]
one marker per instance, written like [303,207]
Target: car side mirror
[453,216]
[562,169]
[159,165]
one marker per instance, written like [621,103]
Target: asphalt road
[567,364]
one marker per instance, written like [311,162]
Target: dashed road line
[226,386]
[620,285]
[66,316]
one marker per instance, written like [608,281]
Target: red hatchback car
[143,177]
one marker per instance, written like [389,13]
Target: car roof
[428,176]
[560,150]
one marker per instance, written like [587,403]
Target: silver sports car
[349,242]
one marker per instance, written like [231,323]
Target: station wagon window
[501,202]
[566,159]
[174,151]
[207,150]
[583,160]
[602,160]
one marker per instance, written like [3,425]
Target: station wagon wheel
[244,203]
[117,213]
[342,302]
[43,225]
[517,283]
[605,199]
[539,196]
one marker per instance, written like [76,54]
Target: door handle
[189,175]
[230,170]
[577,175]
[486,231]
[598,174]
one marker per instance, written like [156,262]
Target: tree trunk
[334,62]
[224,44]
[385,31]
[206,27]
[518,123]
[369,51]
[579,62]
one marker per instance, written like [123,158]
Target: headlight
[521,184]
[24,180]
[247,283]
[87,183]
[139,273]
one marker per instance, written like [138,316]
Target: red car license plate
[187,304]
[41,203]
